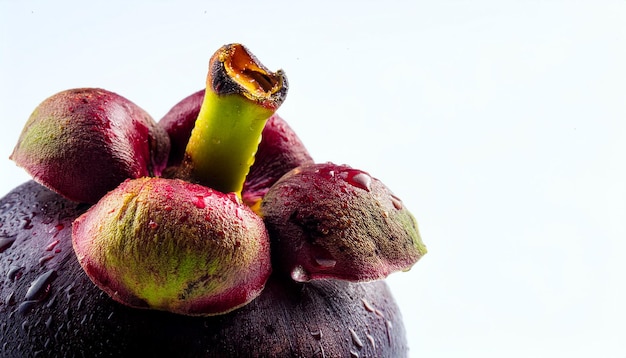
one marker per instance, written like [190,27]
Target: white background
[500,124]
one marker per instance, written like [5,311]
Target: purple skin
[48,305]
[84,142]
[280,149]
[333,221]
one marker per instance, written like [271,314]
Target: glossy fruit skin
[83,142]
[280,149]
[334,221]
[67,315]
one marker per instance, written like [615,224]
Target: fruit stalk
[241,94]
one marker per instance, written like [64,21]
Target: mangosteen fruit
[238,246]
[49,307]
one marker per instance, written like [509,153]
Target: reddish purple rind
[74,318]
[332,221]
[83,142]
[279,151]
[204,250]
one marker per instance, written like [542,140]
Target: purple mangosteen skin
[49,307]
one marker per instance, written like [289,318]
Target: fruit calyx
[170,245]
[334,221]
[240,96]
[83,142]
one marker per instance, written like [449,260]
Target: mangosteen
[211,256]
[49,307]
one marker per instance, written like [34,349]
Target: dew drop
[153,225]
[51,302]
[235,198]
[40,287]
[26,306]
[354,354]
[325,262]
[299,274]
[49,322]
[51,245]
[397,203]
[355,338]
[10,299]
[28,224]
[69,291]
[5,243]
[198,201]
[317,334]
[325,173]
[368,306]
[389,326]
[15,272]
[44,259]
[360,179]
[372,341]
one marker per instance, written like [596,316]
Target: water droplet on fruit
[325,262]
[10,299]
[397,203]
[360,179]
[152,225]
[51,302]
[28,223]
[355,338]
[325,173]
[6,242]
[198,201]
[26,306]
[15,272]
[48,322]
[367,305]
[40,287]
[51,245]
[235,198]
[372,341]
[389,326]
[317,334]
[44,259]
[354,354]
[299,274]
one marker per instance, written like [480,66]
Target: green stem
[240,97]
